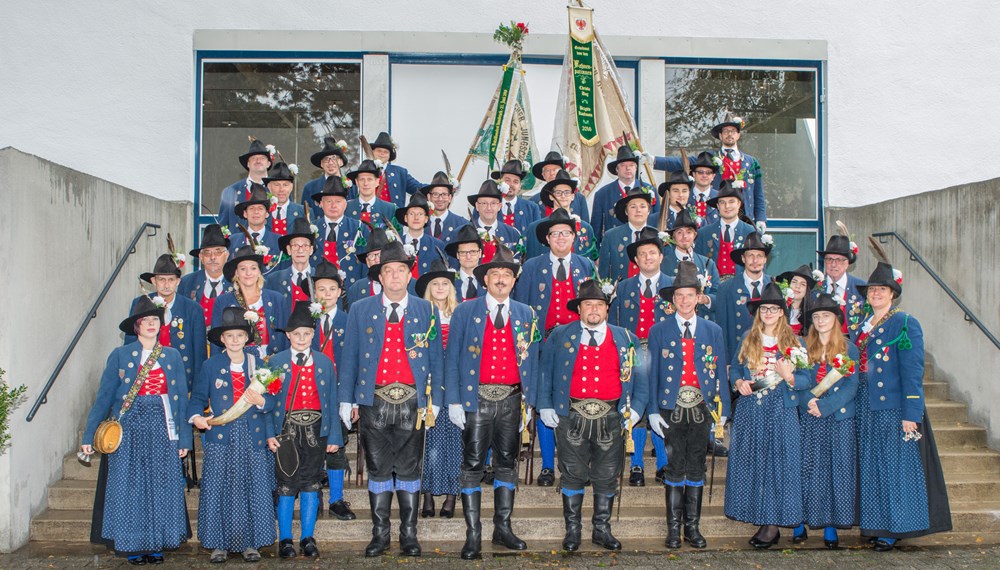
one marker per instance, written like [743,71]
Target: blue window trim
[499,59]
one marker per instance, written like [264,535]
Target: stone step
[944,412]
[529,523]
[960,435]
[70,494]
[935,390]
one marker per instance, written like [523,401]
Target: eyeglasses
[769,310]
[704,171]
[832,259]
[561,192]
[433,195]
[561,233]
[300,245]
[213,252]
[469,253]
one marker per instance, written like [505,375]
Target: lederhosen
[495,424]
[301,429]
[688,426]
[387,427]
[590,437]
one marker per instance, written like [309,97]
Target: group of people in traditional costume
[373,308]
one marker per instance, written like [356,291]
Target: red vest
[731,168]
[647,316]
[558,314]
[262,327]
[597,372]
[489,250]
[723,260]
[700,208]
[327,345]
[298,294]
[689,376]
[393,364]
[633,269]
[206,304]
[383,188]
[239,384]
[508,219]
[330,252]
[366,215]
[499,363]
[306,398]
[155,384]
[279,227]
[165,335]
[444,335]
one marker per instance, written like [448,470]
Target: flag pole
[479,133]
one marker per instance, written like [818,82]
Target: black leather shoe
[448,508]
[872,540]
[883,546]
[831,544]
[601,522]
[154,558]
[503,506]
[546,478]
[661,474]
[137,560]
[473,527]
[428,510]
[762,544]
[675,515]
[636,478]
[286,549]
[720,450]
[342,510]
[308,547]
[381,504]
[573,517]
[800,539]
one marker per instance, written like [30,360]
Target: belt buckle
[396,393]
[495,392]
[591,408]
[303,417]
[689,397]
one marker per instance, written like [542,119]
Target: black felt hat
[377,240]
[647,235]
[393,252]
[515,167]
[488,189]
[751,242]
[326,270]
[330,147]
[258,196]
[678,177]
[704,160]
[621,206]
[625,154]
[886,276]
[245,253]
[211,236]
[439,268]
[440,179]
[687,278]
[465,234]
[417,200]
[256,147]
[562,178]
[683,219]
[558,216]
[591,289]
[144,307]
[165,265]
[804,271]
[233,319]
[726,190]
[300,228]
[839,245]
[383,140]
[552,157]
[771,295]
[300,317]
[333,186]
[730,120]
[366,167]
[504,258]
[279,171]
[822,302]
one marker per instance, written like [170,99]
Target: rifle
[719,433]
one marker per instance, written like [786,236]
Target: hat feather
[879,252]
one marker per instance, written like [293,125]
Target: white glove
[649,159]
[456,413]
[525,421]
[657,424]
[435,410]
[633,417]
[762,227]
[345,414]
[722,420]
[549,417]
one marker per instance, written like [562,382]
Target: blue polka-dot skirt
[236,506]
[893,488]
[763,484]
[829,471]
[144,507]
[442,459]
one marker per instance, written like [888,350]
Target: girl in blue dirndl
[763,481]
[139,507]
[236,505]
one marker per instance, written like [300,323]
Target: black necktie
[687,329]
[755,294]
[561,272]
[686,258]
[213,293]
[277,212]
[727,237]
[300,359]
[701,198]
[627,188]
[833,293]
[256,236]
[437,228]
[488,230]
[593,337]
[364,208]
[471,292]
[303,283]
[730,154]
[510,210]
[331,234]
[648,293]
[416,245]
[394,316]
[636,238]
[498,320]
[328,326]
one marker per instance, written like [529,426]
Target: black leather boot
[473,526]
[503,505]
[381,504]
[601,536]
[408,503]
[428,510]
[675,513]
[692,517]
[573,515]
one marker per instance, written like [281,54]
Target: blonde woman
[763,485]
[246,272]
[443,453]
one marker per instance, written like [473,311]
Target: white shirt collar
[402,305]
[332,313]
[600,331]
[261,232]
[654,285]
[841,286]
[307,352]
[464,277]
[492,302]
[737,155]
[749,282]
[330,222]
[634,229]
[681,255]
[680,323]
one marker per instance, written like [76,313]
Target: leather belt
[396,393]
[689,397]
[592,408]
[498,392]
[303,417]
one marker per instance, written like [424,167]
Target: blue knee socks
[830,534]
[547,443]
[661,452]
[286,507]
[799,530]
[639,437]
[308,506]
[336,477]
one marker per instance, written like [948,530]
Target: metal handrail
[91,314]
[914,256]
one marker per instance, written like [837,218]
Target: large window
[779,107]
[292,105]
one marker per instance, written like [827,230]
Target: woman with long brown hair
[797,286]
[829,431]
[763,484]
[266,310]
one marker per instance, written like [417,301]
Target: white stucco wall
[108,88]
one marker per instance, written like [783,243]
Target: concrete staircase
[972,472]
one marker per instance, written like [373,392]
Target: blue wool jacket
[838,400]
[667,356]
[187,334]
[214,387]
[534,286]
[326,387]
